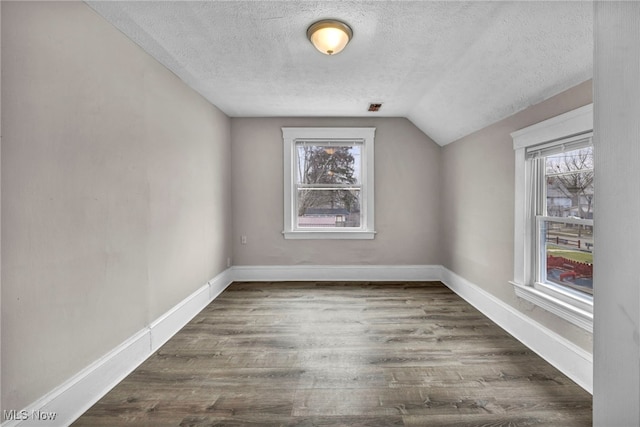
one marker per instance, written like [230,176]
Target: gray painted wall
[617,217]
[477,208]
[407,186]
[115,193]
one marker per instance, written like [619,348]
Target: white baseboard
[167,325]
[567,357]
[367,273]
[76,395]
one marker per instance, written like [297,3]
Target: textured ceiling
[450,67]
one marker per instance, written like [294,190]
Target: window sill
[563,309]
[337,235]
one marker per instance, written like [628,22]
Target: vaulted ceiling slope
[450,67]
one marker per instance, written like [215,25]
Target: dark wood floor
[342,354]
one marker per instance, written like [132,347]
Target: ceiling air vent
[374,107]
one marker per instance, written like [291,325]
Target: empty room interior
[320,213]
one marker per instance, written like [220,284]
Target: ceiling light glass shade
[329,36]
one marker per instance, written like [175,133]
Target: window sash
[536,157]
[343,216]
[580,299]
[358,166]
[362,137]
[301,186]
[541,239]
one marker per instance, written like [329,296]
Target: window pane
[319,164]
[569,184]
[328,208]
[569,255]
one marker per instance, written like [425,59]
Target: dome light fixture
[329,36]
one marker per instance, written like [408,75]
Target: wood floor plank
[342,354]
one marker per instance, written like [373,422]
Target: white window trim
[290,135]
[568,305]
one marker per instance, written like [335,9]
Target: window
[553,264]
[328,183]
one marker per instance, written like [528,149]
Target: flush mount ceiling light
[329,36]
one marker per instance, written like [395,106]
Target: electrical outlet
[228,262]
[243,240]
